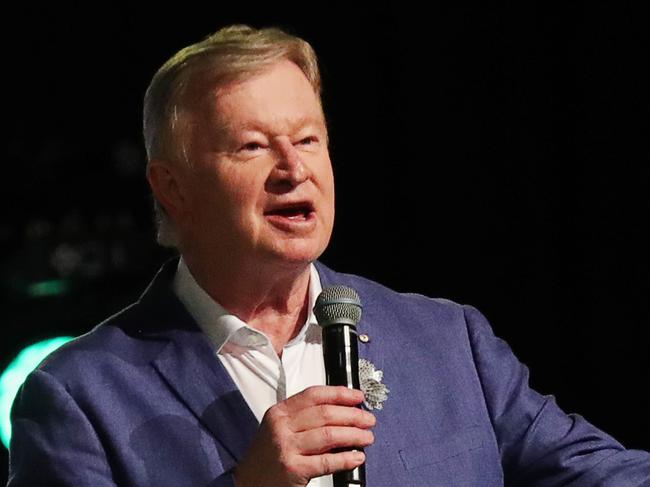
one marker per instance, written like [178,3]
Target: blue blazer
[142,400]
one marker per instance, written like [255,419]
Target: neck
[273,299]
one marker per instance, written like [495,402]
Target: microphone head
[338,305]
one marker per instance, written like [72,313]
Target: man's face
[260,182]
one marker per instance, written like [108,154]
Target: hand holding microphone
[321,430]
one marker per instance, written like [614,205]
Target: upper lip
[307,205]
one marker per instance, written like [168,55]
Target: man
[215,376]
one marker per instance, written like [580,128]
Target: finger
[331,415]
[315,395]
[324,439]
[327,463]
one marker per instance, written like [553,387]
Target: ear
[166,185]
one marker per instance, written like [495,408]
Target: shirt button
[363,338]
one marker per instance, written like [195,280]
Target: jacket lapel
[192,370]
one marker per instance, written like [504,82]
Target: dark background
[496,156]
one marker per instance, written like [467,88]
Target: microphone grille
[338,304]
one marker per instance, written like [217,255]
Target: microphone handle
[341,355]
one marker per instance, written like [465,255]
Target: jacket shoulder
[120,338]
[398,306]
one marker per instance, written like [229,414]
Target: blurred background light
[16,373]
[53,287]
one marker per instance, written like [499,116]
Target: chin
[297,255]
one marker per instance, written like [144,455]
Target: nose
[290,170]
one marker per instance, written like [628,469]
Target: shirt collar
[221,326]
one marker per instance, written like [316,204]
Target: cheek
[321,166]
[230,185]
[245,189]
[242,195]
[327,183]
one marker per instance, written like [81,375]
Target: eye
[312,139]
[251,147]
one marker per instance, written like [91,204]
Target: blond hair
[233,53]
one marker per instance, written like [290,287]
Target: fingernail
[359,456]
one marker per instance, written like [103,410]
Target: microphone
[338,310]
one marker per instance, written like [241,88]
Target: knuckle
[278,427]
[326,413]
[347,395]
[292,468]
[312,393]
[342,392]
[272,414]
[326,464]
[290,465]
[328,435]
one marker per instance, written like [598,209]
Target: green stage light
[53,287]
[16,373]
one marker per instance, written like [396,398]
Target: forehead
[279,97]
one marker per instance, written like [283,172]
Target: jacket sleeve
[540,445]
[53,443]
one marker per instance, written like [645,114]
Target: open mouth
[295,211]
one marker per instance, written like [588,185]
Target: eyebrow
[294,126]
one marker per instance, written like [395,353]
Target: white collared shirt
[262,377]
